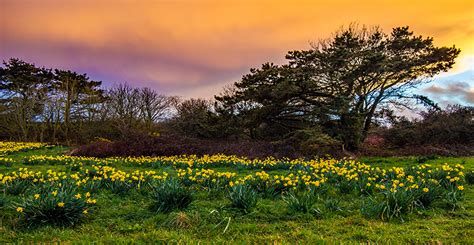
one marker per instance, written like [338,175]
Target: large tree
[339,83]
[23,90]
[78,94]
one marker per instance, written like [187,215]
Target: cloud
[456,89]
[186,46]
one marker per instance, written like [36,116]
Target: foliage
[453,126]
[301,201]
[243,197]
[170,195]
[337,85]
[172,144]
[53,205]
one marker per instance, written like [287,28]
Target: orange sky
[194,48]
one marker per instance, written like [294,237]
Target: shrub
[57,207]
[302,202]
[172,144]
[243,197]
[452,126]
[170,195]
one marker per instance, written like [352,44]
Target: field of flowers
[223,195]
[10,147]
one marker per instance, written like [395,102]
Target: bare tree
[154,107]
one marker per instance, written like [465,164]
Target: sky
[193,48]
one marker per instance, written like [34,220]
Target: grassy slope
[127,219]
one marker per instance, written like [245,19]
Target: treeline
[323,99]
[40,104]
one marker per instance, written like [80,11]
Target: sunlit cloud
[456,89]
[187,47]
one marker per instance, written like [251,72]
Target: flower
[55,193]
[85,211]
[91,201]
[37,196]
[88,194]
[78,196]
[19,210]
[426,189]
[61,204]
[461,188]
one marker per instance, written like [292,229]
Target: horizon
[192,49]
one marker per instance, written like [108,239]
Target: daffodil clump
[63,160]
[6,161]
[90,179]
[56,205]
[207,178]
[7,147]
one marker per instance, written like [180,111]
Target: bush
[57,207]
[170,195]
[243,197]
[302,202]
[451,126]
[173,145]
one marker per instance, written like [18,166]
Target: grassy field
[126,217]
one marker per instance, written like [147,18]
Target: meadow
[49,196]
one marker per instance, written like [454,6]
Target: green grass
[209,218]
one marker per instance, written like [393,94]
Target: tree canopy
[336,87]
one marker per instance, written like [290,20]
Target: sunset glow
[194,48]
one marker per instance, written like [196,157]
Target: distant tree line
[40,104]
[329,96]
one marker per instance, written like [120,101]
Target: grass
[127,219]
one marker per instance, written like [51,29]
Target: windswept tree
[339,84]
